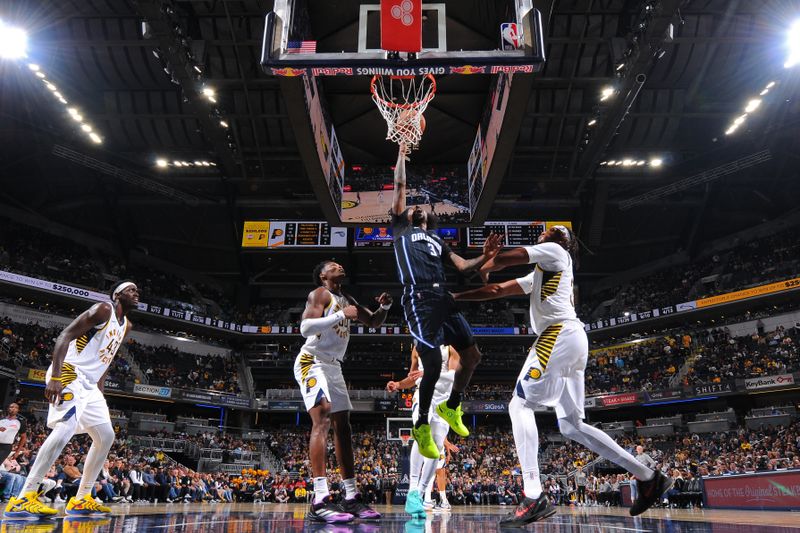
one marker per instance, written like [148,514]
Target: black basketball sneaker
[329,512]
[650,491]
[528,511]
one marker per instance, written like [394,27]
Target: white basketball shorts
[553,374]
[320,379]
[79,398]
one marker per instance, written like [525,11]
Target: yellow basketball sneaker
[453,417]
[86,506]
[28,507]
[424,439]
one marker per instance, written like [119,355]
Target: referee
[10,426]
[430,311]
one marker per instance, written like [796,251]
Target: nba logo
[509,37]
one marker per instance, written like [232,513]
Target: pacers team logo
[348,204]
[67,397]
[534,373]
[310,384]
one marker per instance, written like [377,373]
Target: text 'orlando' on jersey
[550,286]
[419,253]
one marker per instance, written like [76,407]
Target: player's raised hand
[384,299]
[492,245]
[351,312]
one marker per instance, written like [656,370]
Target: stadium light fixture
[752,105]
[740,119]
[40,75]
[95,138]
[161,163]
[606,93]
[13,42]
[592,122]
[731,130]
[656,162]
[223,123]
[87,128]
[793,44]
[34,67]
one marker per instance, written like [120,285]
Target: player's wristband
[386,307]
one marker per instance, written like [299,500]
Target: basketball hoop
[402,100]
[405,438]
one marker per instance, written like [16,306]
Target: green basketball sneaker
[424,439]
[453,417]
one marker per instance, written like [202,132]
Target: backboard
[482,54]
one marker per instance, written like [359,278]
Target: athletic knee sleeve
[102,439]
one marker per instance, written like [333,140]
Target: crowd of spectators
[725,357]
[167,366]
[748,263]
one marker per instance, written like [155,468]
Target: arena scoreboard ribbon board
[513,233]
[292,234]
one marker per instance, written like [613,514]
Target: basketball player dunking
[318,371]
[431,314]
[553,374]
[422,469]
[81,359]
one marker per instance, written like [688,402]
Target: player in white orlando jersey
[424,470]
[318,371]
[81,358]
[553,374]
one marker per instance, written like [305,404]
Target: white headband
[565,231]
[122,287]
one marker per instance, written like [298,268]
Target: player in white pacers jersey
[81,358]
[553,374]
[318,371]
[423,470]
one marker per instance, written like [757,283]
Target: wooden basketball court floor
[252,518]
[374,206]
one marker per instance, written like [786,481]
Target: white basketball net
[402,101]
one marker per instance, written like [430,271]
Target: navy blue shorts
[434,320]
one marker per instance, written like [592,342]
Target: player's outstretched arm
[373,319]
[399,197]
[492,291]
[313,322]
[94,316]
[491,248]
[517,256]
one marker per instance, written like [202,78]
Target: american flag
[301,47]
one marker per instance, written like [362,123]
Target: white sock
[350,488]
[320,489]
[526,439]
[102,440]
[415,465]
[428,491]
[48,453]
[443,496]
[599,442]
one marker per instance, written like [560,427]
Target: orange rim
[410,105]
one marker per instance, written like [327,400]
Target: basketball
[422,123]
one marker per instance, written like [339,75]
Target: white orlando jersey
[550,285]
[331,343]
[445,384]
[93,352]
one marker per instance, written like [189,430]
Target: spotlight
[177,164]
[740,119]
[77,118]
[770,85]
[206,164]
[603,163]
[592,122]
[656,162]
[612,162]
[620,66]
[606,93]
[51,86]
[58,95]
[640,163]
[72,111]
[62,100]
[95,138]
[161,163]
[33,66]
[87,128]
[13,42]
[198,69]
[40,74]
[762,93]
[793,44]
[198,163]
[223,123]
[627,162]
[731,130]
[752,105]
